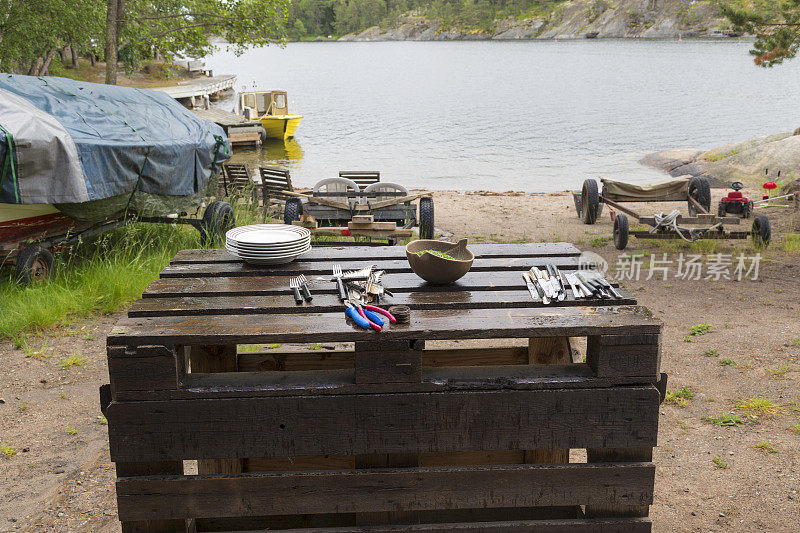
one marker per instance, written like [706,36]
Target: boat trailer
[695,192]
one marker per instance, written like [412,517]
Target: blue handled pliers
[362,317]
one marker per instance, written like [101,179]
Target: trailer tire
[761,232]
[621,231]
[34,264]
[426,226]
[700,190]
[217,220]
[591,200]
[292,210]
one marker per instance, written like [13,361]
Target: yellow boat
[271,108]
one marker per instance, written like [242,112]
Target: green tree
[185,27]
[776,25]
[32,33]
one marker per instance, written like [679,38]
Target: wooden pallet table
[436,425]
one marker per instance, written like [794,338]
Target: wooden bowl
[438,270]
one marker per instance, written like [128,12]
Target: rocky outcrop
[744,161]
[573,20]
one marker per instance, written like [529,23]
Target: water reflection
[273,153]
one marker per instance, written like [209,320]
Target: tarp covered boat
[97,151]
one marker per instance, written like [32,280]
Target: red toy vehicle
[736,203]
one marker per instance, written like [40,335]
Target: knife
[530,285]
[540,285]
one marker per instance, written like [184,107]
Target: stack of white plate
[268,244]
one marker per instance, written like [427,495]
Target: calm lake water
[533,116]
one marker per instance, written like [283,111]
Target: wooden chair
[235,179]
[274,183]
[364,178]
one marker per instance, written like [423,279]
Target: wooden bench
[403,430]
[363,178]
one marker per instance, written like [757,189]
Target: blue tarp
[77,142]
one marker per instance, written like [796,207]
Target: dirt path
[709,477]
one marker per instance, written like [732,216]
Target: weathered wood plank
[424,325]
[323,268]
[210,360]
[332,382]
[157,524]
[144,369]
[384,490]
[623,360]
[329,302]
[610,456]
[617,417]
[279,285]
[610,525]
[271,360]
[388,252]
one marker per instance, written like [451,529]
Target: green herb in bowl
[437,254]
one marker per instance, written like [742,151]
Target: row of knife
[550,285]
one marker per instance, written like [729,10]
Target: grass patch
[765,447]
[726,420]
[719,464]
[679,397]
[7,451]
[795,429]
[759,406]
[791,243]
[71,430]
[36,353]
[73,360]
[727,362]
[95,277]
[315,347]
[700,329]
[780,372]
[599,242]
[710,353]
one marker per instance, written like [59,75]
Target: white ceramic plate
[279,246]
[255,255]
[284,230]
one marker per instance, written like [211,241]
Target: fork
[304,287]
[337,275]
[294,284]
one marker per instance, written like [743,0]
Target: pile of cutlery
[550,285]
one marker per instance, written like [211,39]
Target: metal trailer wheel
[217,220]
[621,231]
[590,199]
[292,210]
[700,190]
[34,264]
[761,232]
[426,217]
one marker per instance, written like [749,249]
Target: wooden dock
[226,119]
[199,91]
[240,131]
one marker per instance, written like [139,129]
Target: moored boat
[271,108]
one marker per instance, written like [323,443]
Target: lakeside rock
[571,20]
[744,161]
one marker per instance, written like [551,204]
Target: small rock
[25,450]
[693,513]
[58,471]
[2,400]
[722,515]
[42,381]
